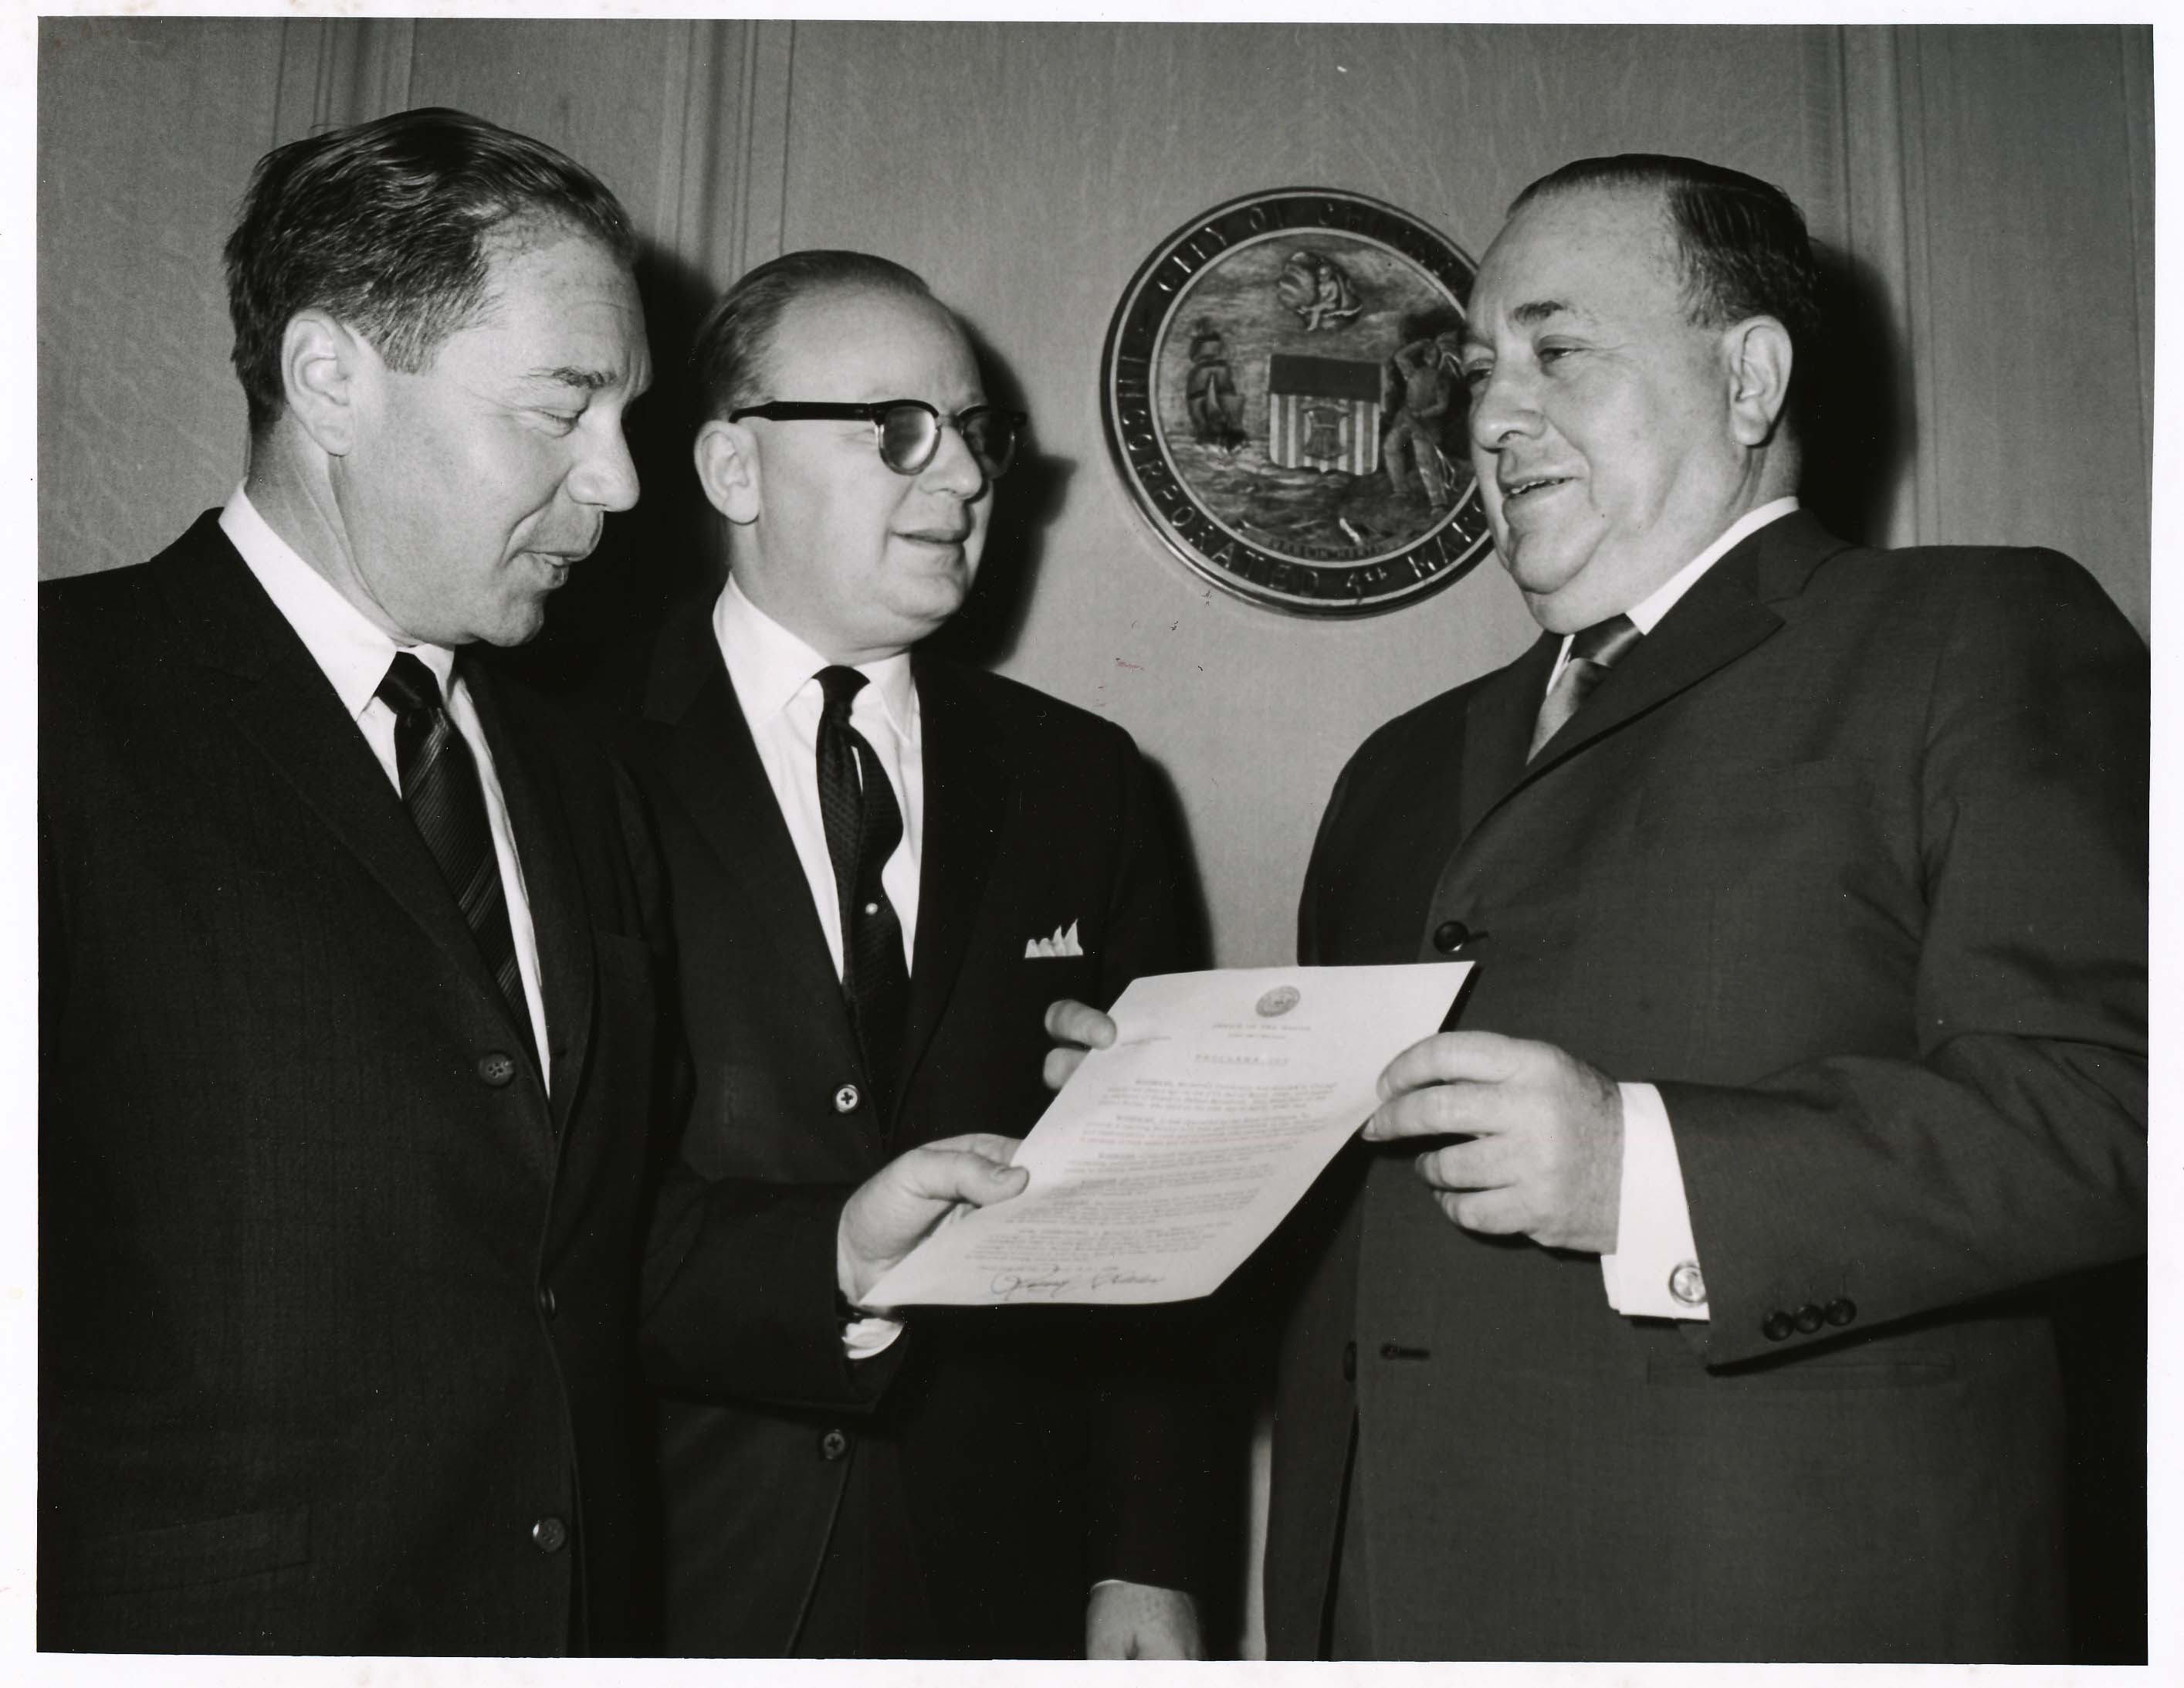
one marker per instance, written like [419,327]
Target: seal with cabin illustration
[1282,397]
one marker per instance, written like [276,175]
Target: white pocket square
[1052,949]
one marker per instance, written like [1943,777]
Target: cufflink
[1686,1285]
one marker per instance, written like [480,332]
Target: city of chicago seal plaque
[1281,394]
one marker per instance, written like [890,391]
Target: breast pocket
[1783,841]
[1785,799]
[1077,973]
[1804,881]
[1035,984]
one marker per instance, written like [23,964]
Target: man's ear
[727,456]
[323,367]
[1758,357]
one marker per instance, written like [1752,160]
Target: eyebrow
[591,381]
[1529,314]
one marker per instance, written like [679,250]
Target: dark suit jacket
[334,1304]
[979,1476]
[1848,857]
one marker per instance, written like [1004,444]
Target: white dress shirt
[774,675]
[355,655]
[1653,1243]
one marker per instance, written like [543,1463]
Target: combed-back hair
[1741,248]
[388,225]
[735,342]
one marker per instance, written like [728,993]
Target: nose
[953,470]
[605,474]
[1502,405]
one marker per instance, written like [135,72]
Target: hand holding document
[1169,1157]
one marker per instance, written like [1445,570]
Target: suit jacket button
[496,1067]
[1778,1325]
[1450,936]
[549,1535]
[846,1099]
[1842,1311]
[1810,1318]
[546,1303]
[833,1445]
[1350,1362]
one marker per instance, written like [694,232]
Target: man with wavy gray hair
[349,1039]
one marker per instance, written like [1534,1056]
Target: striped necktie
[440,789]
[1592,653]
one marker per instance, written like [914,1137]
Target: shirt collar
[770,664]
[1647,614]
[352,651]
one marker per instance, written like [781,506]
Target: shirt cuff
[1654,1271]
[863,1337]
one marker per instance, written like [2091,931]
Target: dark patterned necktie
[1592,653]
[863,827]
[440,789]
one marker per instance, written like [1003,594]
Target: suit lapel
[552,889]
[1497,731]
[1715,622]
[714,769]
[966,800]
[289,710]
[1720,619]
[966,795]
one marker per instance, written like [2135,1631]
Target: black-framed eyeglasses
[907,431]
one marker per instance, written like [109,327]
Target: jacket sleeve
[2012,1149]
[739,1295]
[738,1291]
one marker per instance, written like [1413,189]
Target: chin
[1555,598]
[1537,572]
[519,626]
[941,599]
[901,625]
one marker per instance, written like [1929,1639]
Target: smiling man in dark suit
[349,1031]
[881,867]
[1690,1309]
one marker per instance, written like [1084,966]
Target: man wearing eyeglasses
[881,868]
